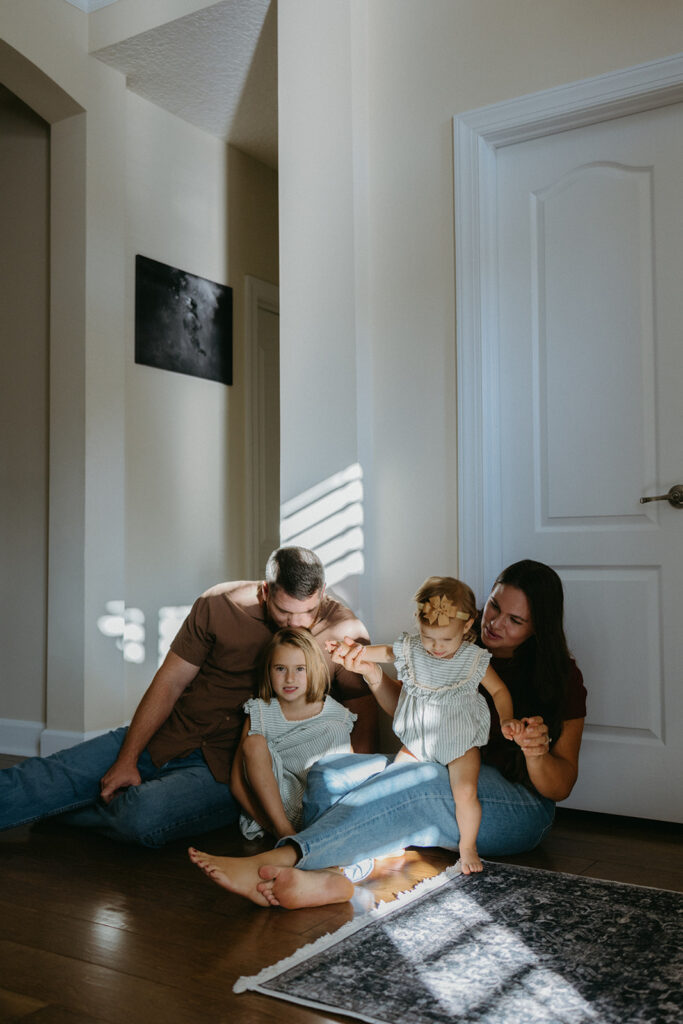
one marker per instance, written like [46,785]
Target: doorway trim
[259,295]
[477,136]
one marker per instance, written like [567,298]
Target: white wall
[24,317]
[44,63]
[317,300]
[147,467]
[406,67]
[193,203]
[177,541]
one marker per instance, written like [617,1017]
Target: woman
[357,807]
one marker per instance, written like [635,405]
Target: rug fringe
[383,909]
[406,895]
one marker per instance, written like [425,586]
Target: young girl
[440,713]
[283,737]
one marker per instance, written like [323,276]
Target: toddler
[440,713]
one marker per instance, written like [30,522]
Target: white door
[586,375]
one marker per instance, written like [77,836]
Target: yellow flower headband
[440,611]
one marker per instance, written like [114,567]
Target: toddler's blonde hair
[455,591]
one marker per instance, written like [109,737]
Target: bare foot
[292,888]
[470,860]
[236,874]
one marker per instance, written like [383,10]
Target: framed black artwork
[183,322]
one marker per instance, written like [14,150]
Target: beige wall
[24,284]
[406,67]
[44,65]
[367,96]
[178,530]
[193,203]
[321,314]
[317,301]
[253,252]
[146,467]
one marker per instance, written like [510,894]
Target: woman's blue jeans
[180,799]
[359,806]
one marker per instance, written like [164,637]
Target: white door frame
[477,136]
[259,295]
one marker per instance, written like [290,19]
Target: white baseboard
[28,739]
[21,738]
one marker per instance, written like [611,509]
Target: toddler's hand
[351,655]
[511,728]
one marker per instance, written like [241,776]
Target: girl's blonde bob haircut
[454,590]
[317,672]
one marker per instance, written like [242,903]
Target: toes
[471,866]
[268,872]
[208,868]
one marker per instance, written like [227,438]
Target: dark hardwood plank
[14,1006]
[54,1014]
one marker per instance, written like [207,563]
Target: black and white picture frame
[183,323]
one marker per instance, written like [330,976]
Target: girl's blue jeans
[180,799]
[359,806]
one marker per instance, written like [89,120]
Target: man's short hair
[298,571]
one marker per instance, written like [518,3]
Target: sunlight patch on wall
[126,626]
[328,518]
[171,618]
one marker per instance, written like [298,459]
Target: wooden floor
[94,931]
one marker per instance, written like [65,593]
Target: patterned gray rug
[513,945]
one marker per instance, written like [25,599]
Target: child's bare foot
[470,860]
[292,888]
[236,874]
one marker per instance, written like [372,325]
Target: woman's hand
[533,739]
[351,655]
[552,772]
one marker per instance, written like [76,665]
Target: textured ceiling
[216,68]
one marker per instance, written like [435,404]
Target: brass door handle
[674,497]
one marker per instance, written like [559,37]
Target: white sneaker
[360,871]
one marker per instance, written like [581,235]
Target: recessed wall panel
[593,327]
[612,625]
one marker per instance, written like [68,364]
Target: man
[166,775]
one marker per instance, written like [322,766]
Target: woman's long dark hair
[542,588]
[543,661]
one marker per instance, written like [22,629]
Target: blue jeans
[347,818]
[181,798]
